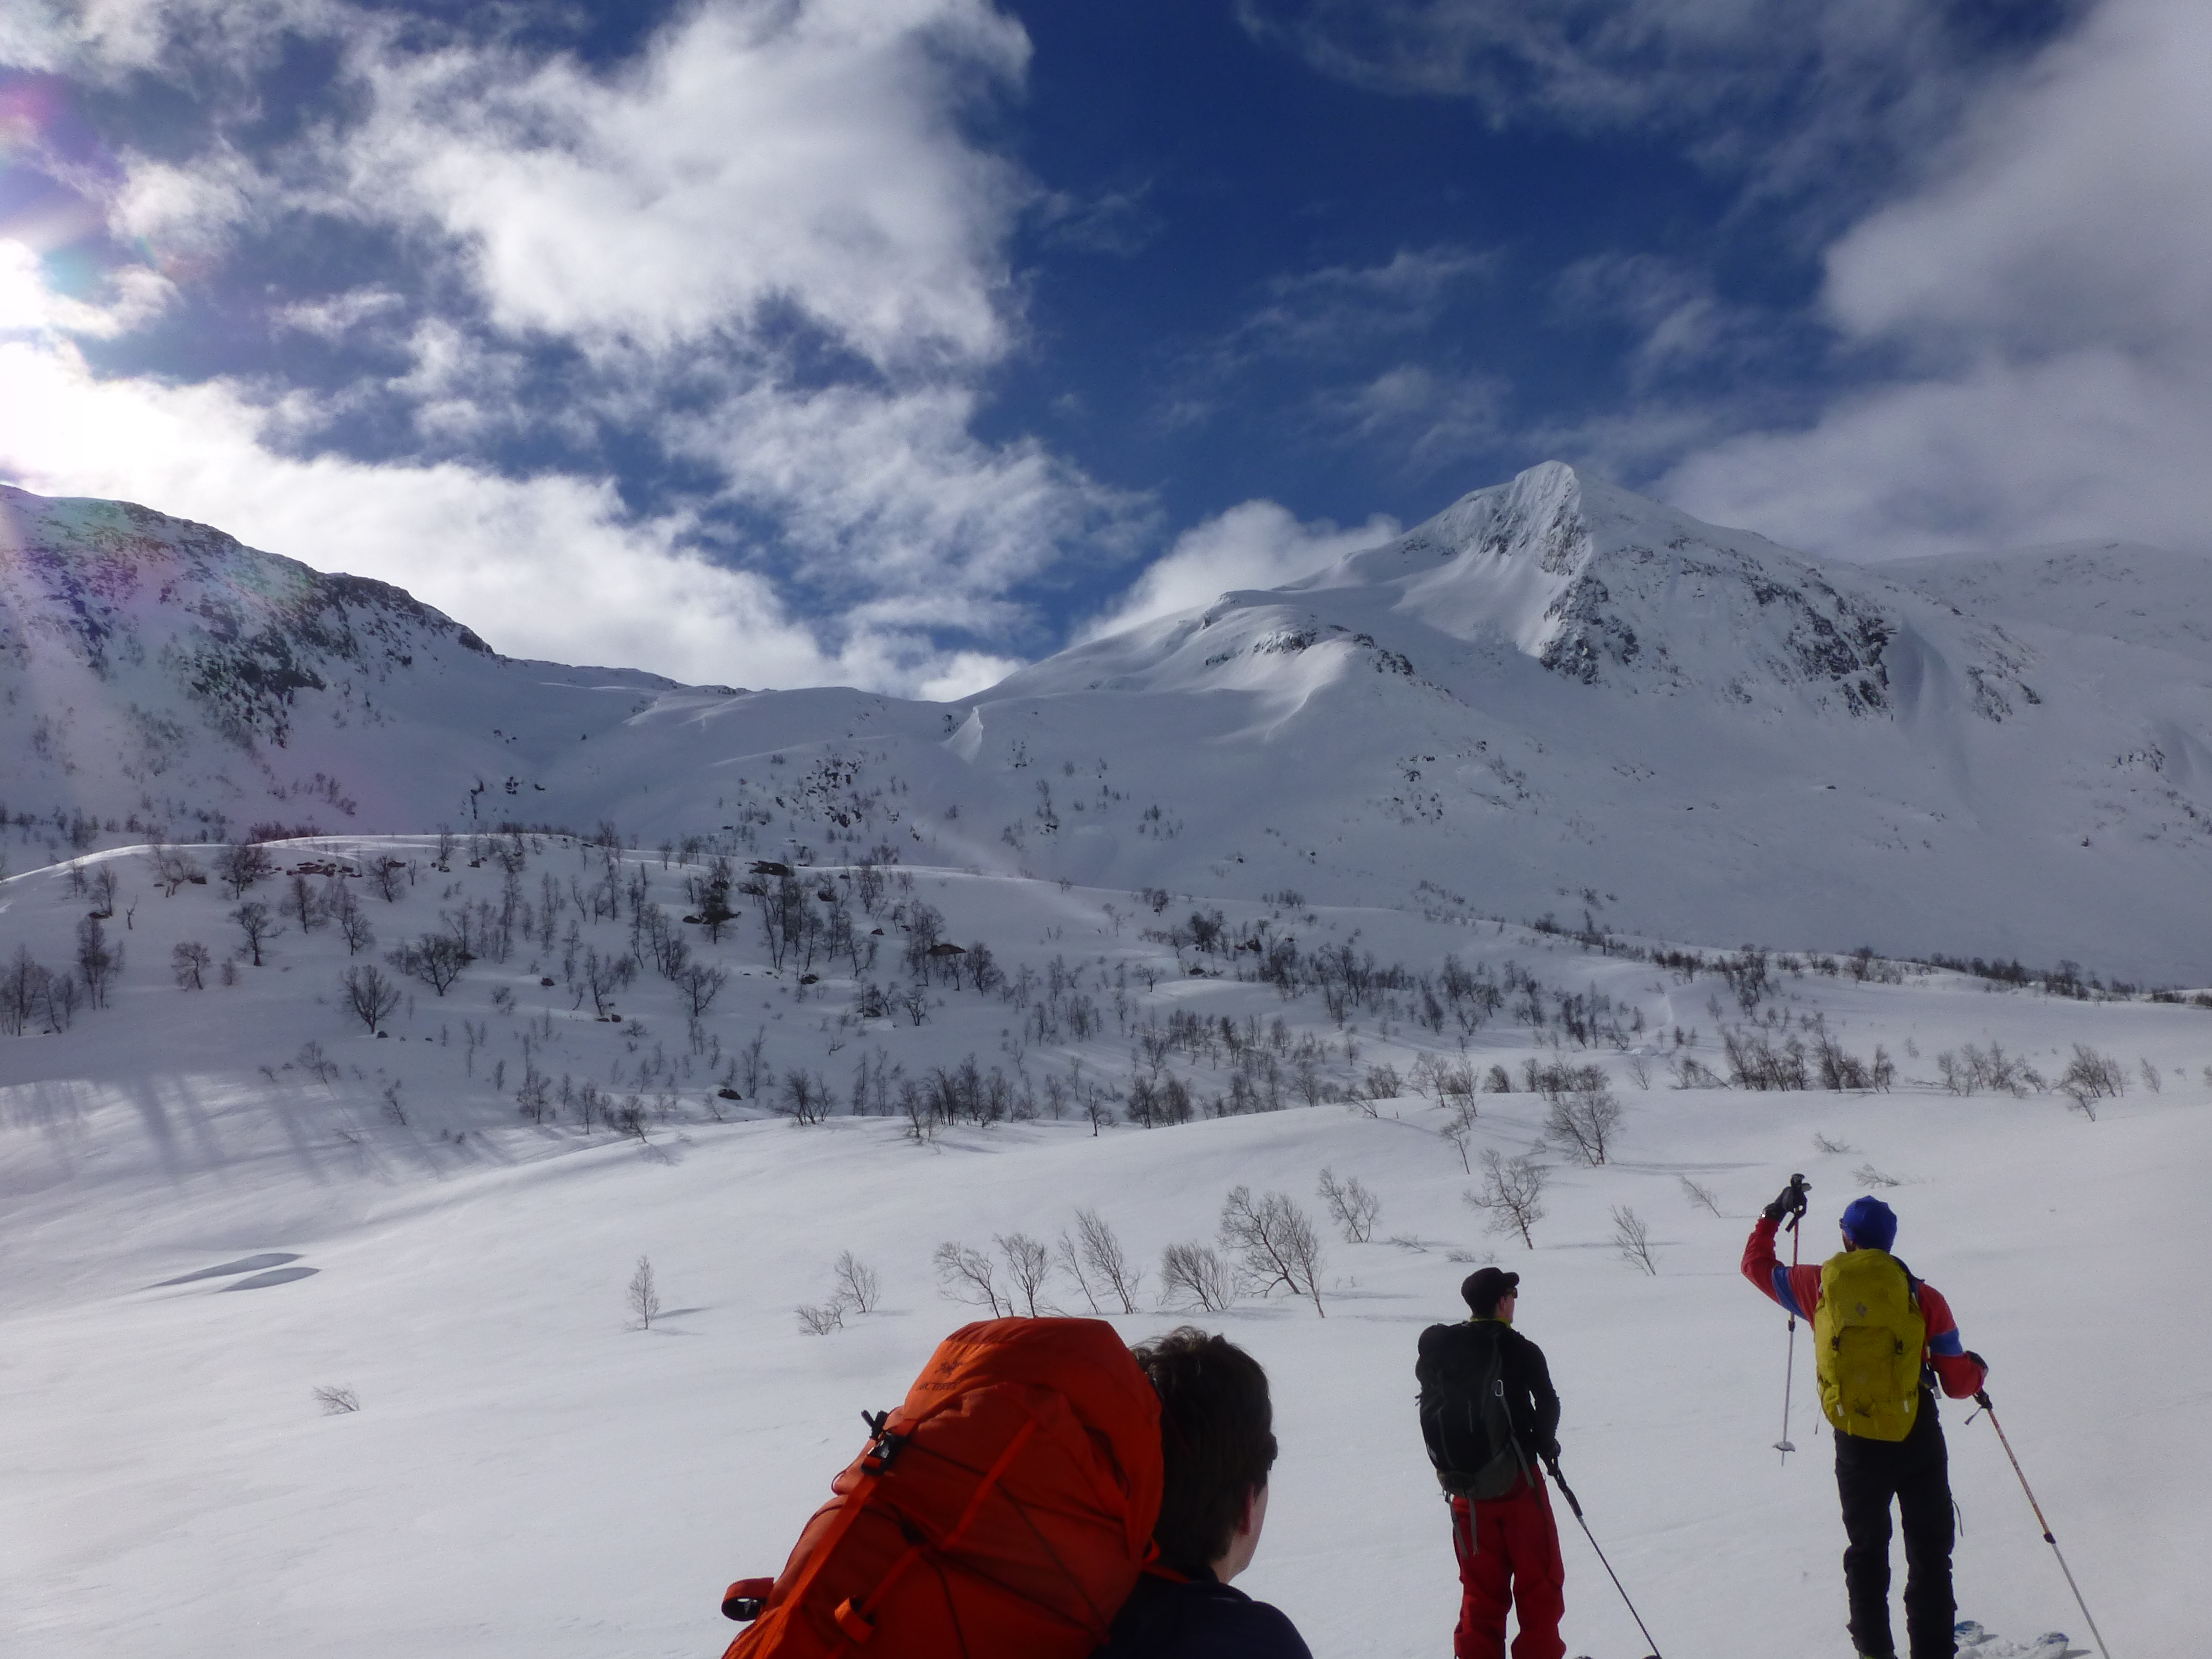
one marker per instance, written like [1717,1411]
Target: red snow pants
[1509,1555]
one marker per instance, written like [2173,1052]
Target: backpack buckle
[883,1444]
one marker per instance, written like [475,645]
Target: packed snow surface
[216,1201]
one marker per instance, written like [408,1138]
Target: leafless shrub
[1093,1258]
[171,868]
[1691,1073]
[336,1400]
[1697,1193]
[1841,1070]
[1867,1175]
[256,926]
[1449,1080]
[1458,1127]
[436,959]
[1350,1206]
[806,1097]
[368,996]
[1973,1069]
[1640,1069]
[1757,1062]
[968,1275]
[1497,1081]
[1823,1144]
[353,923]
[1196,1274]
[1274,1244]
[313,1060]
[1631,1239]
[2090,1077]
[190,962]
[643,1296]
[1511,1194]
[820,1321]
[2150,1077]
[1586,1117]
[240,867]
[1028,1264]
[857,1283]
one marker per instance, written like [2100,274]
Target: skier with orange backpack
[1003,1510]
[1881,1338]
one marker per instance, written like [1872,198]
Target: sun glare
[25,305]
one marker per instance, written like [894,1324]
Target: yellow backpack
[1867,1340]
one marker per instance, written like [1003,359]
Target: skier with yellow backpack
[1882,1341]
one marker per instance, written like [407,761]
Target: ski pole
[1789,1368]
[1568,1493]
[1981,1400]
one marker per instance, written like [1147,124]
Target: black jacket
[1530,1401]
[1199,1619]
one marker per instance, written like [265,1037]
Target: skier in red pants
[1490,1416]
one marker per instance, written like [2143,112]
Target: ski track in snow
[528,1475]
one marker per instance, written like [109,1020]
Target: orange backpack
[1002,1512]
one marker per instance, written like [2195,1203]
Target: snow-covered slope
[155,670]
[1554,698]
[214,1201]
[2121,590]
[1558,697]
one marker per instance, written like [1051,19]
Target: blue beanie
[1871,1223]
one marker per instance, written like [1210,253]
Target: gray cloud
[2046,288]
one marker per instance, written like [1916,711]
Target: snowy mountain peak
[116,585]
[157,668]
[1602,585]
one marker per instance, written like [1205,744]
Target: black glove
[1791,1201]
[1551,1451]
[1978,1360]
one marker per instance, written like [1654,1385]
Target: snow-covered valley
[529,1472]
[327,1160]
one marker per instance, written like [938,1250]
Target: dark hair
[1216,1441]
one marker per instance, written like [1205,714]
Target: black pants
[1916,1473]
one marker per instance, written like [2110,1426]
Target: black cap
[1485,1288]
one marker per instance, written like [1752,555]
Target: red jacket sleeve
[1959,1372]
[1795,1289]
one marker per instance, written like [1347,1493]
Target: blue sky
[897,341]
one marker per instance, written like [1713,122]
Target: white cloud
[1340,309]
[892,501]
[1255,544]
[763,153]
[2067,214]
[762,161]
[545,567]
[2051,284]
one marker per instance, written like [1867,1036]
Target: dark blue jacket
[1199,1618]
